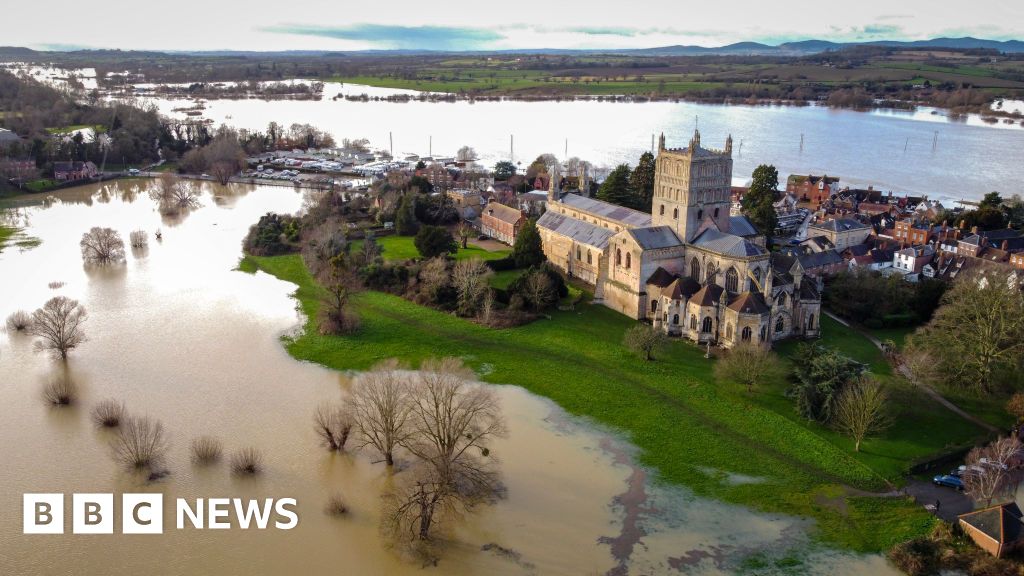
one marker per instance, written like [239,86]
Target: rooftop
[727,244]
[627,217]
[578,230]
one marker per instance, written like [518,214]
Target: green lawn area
[690,429]
[41,184]
[402,248]
[502,280]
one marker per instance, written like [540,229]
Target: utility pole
[652,143]
[430,149]
[566,148]
[512,148]
[391,145]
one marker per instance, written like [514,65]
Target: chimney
[974,229]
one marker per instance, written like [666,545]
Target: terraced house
[690,268]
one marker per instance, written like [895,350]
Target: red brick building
[812,189]
[501,222]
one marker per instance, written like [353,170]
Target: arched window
[745,335]
[700,215]
[764,329]
[780,325]
[590,258]
[782,299]
[661,211]
[693,321]
[732,280]
[810,322]
[757,275]
[675,213]
[618,257]
[629,260]
[706,325]
[654,305]
[728,331]
[695,269]
[675,319]
[579,253]
[712,273]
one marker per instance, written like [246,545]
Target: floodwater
[922,152]
[180,335]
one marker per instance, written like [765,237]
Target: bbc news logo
[144,513]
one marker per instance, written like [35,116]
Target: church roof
[708,295]
[625,216]
[749,303]
[727,244]
[578,230]
[661,278]
[655,237]
[741,226]
[681,288]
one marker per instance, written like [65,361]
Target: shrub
[336,505]
[59,392]
[205,450]
[140,443]
[108,414]
[138,239]
[917,557]
[345,322]
[333,424]
[19,321]
[432,241]
[247,462]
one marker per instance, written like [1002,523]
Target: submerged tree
[380,406]
[141,443]
[58,325]
[333,423]
[102,245]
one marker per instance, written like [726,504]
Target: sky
[486,25]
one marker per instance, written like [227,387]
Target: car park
[949,481]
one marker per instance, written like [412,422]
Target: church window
[810,322]
[579,253]
[675,319]
[782,299]
[618,257]
[711,274]
[590,259]
[629,260]
[695,270]
[693,321]
[700,215]
[654,305]
[706,325]
[763,330]
[757,275]
[661,211]
[780,325]
[732,280]
[716,212]
[728,331]
[745,335]
[675,213]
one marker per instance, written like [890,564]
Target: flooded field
[181,336]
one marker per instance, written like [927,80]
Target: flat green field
[690,429]
[402,248]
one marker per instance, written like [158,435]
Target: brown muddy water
[178,334]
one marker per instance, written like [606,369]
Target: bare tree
[645,340]
[19,321]
[333,424]
[747,364]
[108,414]
[205,450]
[539,289]
[993,470]
[247,462]
[862,410]
[60,392]
[466,154]
[434,276]
[58,325]
[380,407]
[465,232]
[102,245]
[338,281]
[174,195]
[138,238]
[470,280]
[140,443]
[452,421]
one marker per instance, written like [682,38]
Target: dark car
[949,481]
[483,237]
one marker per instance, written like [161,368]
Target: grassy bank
[403,248]
[691,430]
[10,236]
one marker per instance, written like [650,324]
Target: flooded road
[181,336]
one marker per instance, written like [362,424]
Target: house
[873,259]
[466,201]
[532,202]
[12,168]
[7,137]
[501,222]
[816,264]
[842,232]
[997,530]
[815,190]
[910,261]
[68,171]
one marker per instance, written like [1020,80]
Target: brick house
[67,171]
[842,232]
[501,222]
[812,189]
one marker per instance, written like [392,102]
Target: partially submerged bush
[59,392]
[19,321]
[108,414]
[206,450]
[247,462]
[138,239]
[141,443]
[333,423]
[336,505]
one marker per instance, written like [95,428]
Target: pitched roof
[749,303]
[727,244]
[503,213]
[661,278]
[708,295]
[654,237]
[627,217]
[681,288]
[1002,523]
[741,226]
[840,225]
[576,229]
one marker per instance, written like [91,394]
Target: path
[902,368]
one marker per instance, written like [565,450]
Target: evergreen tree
[642,180]
[527,250]
[616,189]
[504,170]
[759,202]
[434,241]
[405,218]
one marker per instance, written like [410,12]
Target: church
[690,268]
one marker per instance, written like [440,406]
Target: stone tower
[692,185]
[554,183]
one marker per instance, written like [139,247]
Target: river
[180,335]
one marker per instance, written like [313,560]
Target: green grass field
[690,429]
[10,236]
[402,248]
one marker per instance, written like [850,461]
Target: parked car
[133,171]
[949,481]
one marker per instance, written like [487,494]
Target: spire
[695,141]
[661,142]
[554,183]
[728,145]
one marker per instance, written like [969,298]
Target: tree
[993,470]
[527,250]
[759,201]
[466,154]
[504,170]
[977,335]
[102,246]
[747,364]
[140,443]
[616,189]
[420,165]
[465,232]
[862,410]
[333,424]
[225,156]
[380,408]
[539,289]
[641,181]
[339,280]
[1015,406]
[58,325]
[435,278]
[821,374]
[434,241]
[405,218]
[644,340]
[470,278]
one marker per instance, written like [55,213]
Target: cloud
[399,37]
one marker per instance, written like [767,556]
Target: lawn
[686,425]
[502,280]
[402,248]
[15,237]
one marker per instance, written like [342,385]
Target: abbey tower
[692,185]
